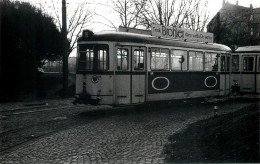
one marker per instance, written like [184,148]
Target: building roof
[232,9]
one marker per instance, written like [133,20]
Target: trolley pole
[64,49]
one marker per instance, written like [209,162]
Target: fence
[56,66]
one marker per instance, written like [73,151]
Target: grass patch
[232,138]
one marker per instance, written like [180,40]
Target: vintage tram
[127,68]
[246,69]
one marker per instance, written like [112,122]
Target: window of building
[159,59]
[195,61]
[248,63]
[122,59]
[139,59]
[178,60]
[235,63]
[211,61]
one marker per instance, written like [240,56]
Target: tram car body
[246,69]
[127,68]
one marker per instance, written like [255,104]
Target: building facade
[236,25]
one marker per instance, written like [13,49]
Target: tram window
[82,61]
[222,63]
[228,63]
[258,64]
[178,60]
[195,61]
[159,59]
[248,63]
[93,57]
[122,59]
[211,61]
[86,59]
[138,59]
[235,63]
[102,59]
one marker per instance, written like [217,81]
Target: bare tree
[191,14]
[127,11]
[79,17]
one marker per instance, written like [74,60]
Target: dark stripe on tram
[235,72]
[224,73]
[245,72]
[110,73]
[251,73]
[101,95]
[129,73]
[181,73]
[96,72]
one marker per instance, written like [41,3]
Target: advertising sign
[181,34]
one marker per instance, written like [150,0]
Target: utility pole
[64,49]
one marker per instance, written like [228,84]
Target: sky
[101,7]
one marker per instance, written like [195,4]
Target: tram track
[29,133]
[20,111]
[13,137]
[23,125]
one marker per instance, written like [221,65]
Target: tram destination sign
[181,33]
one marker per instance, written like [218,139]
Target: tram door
[228,74]
[258,75]
[138,75]
[225,74]
[122,75]
[248,73]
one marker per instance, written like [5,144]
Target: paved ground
[133,135]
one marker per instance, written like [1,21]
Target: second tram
[246,69]
[127,68]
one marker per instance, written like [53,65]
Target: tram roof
[249,49]
[146,39]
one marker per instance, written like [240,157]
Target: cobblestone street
[131,135]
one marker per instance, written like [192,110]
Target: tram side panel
[167,85]
[177,85]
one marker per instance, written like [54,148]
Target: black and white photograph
[129,81]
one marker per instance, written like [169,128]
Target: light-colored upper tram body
[246,69]
[127,68]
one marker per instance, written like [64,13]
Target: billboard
[181,34]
